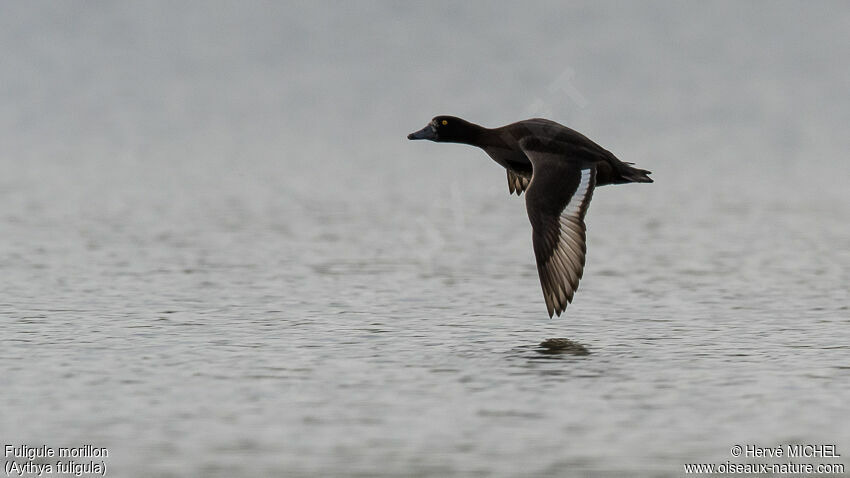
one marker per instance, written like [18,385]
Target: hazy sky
[297,85]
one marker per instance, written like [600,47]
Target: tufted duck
[557,168]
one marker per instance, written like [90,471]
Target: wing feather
[557,200]
[516,183]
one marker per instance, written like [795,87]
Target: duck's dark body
[558,168]
[502,144]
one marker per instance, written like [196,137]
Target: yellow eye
[445,122]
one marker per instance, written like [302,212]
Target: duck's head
[447,129]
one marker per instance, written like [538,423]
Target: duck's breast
[510,159]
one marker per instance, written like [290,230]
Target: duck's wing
[516,183]
[557,200]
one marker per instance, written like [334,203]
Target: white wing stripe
[577,201]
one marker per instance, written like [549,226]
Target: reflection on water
[560,346]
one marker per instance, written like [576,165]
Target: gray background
[221,257]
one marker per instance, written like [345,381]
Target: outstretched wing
[517,183]
[557,200]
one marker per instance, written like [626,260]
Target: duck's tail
[634,175]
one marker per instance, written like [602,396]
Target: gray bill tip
[424,133]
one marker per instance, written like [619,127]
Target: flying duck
[557,168]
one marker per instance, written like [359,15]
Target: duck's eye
[445,122]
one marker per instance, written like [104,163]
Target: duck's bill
[424,133]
